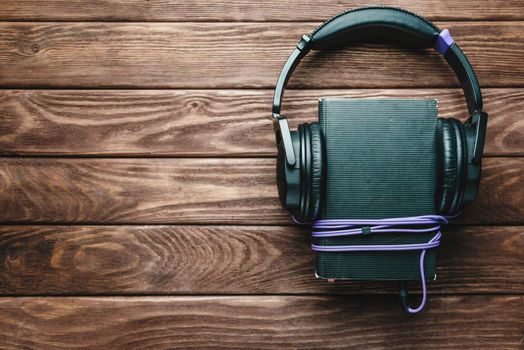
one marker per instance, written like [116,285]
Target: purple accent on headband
[444,41]
[338,228]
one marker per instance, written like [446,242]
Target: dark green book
[381,163]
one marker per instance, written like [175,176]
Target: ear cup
[288,177]
[460,141]
[450,142]
[305,171]
[317,165]
[447,153]
[310,164]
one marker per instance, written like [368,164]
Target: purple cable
[340,228]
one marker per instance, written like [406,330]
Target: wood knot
[29,48]
[14,261]
[198,105]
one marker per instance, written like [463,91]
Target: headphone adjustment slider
[478,122]
[303,44]
[283,133]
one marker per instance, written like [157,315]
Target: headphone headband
[392,25]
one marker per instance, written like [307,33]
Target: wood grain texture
[83,260]
[198,249]
[201,191]
[203,122]
[241,55]
[273,322]
[221,10]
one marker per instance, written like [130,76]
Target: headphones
[301,159]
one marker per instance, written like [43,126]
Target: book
[381,163]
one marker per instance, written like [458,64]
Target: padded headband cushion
[375,23]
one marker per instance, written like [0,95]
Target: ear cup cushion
[304,173]
[458,196]
[317,166]
[307,172]
[447,152]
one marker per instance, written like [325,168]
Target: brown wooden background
[137,193]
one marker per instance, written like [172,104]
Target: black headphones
[300,161]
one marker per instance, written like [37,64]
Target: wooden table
[137,194]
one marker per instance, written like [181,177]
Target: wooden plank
[213,191]
[272,322]
[220,10]
[202,122]
[241,55]
[84,260]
